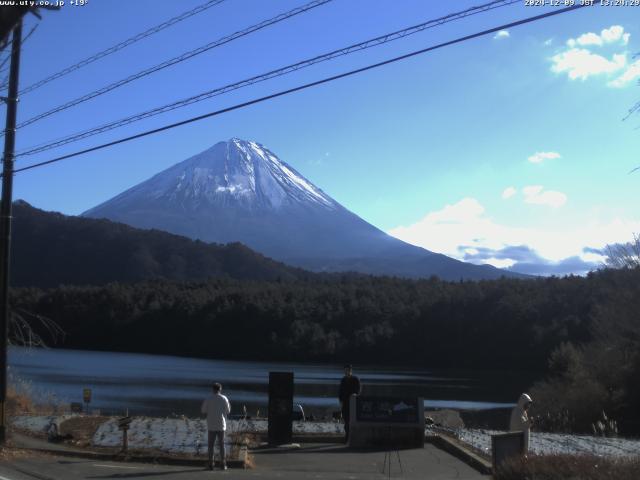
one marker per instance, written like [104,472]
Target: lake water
[163,385]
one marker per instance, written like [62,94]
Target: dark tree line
[601,374]
[503,323]
[49,249]
[583,333]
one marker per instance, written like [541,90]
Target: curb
[318,438]
[241,462]
[467,456]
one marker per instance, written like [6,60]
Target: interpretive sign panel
[280,407]
[387,410]
[396,422]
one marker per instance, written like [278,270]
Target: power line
[303,87]
[175,60]
[3,65]
[4,61]
[123,44]
[267,76]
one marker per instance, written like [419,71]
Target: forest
[49,249]
[581,334]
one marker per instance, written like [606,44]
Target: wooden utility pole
[5,218]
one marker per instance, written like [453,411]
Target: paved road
[313,461]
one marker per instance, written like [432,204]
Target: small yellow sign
[86,395]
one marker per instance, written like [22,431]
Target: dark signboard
[506,445]
[387,409]
[124,422]
[280,407]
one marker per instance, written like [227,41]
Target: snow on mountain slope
[239,173]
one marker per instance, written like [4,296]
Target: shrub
[569,467]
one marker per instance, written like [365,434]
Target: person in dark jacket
[349,385]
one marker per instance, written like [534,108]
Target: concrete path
[313,461]
[336,461]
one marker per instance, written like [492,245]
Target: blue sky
[509,149]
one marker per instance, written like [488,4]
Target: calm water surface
[164,385]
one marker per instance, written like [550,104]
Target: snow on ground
[189,436]
[171,435]
[548,443]
[299,428]
[38,424]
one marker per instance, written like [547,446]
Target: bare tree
[28,329]
[624,255]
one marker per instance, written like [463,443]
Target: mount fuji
[239,191]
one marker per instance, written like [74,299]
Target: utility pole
[5,218]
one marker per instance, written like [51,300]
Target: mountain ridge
[50,249]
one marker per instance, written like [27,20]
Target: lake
[159,385]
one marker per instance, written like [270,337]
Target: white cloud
[594,257]
[548,42]
[509,192]
[540,157]
[586,39]
[501,35]
[581,63]
[463,230]
[629,75]
[613,34]
[500,262]
[536,195]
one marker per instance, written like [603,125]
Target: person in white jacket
[216,408]
[520,419]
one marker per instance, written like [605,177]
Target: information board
[280,408]
[387,410]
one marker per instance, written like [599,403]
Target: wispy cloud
[465,231]
[319,160]
[537,195]
[630,74]
[540,157]
[509,192]
[524,259]
[501,35]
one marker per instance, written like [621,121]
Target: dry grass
[565,467]
[80,430]
[249,462]
[11,454]
[20,402]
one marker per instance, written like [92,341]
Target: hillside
[50,249]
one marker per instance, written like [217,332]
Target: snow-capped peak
[242,172]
